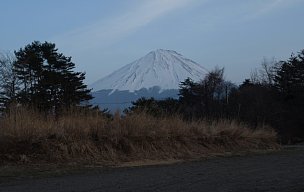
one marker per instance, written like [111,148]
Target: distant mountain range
[158,75]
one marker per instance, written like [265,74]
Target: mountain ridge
[161,68]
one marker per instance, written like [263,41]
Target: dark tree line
[41,77]
[205,99]
[208,98]
[273,96]
[154,107]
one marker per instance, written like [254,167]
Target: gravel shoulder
[276,171]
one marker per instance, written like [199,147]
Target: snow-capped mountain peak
[161,68]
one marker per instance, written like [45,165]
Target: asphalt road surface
[279,172]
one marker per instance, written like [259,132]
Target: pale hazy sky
[103,35]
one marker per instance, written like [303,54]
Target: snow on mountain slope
[162,68]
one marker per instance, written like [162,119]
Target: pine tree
[289,82]
[289,79]
[187,91]
[48,79]
[28,68]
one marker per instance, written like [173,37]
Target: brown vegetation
[87,136]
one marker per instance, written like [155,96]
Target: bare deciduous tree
[264,75]
[8,80]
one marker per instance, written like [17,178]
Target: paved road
[279,172]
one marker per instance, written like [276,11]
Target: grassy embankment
[78,136]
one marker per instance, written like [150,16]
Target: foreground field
[88,137]
[277,171]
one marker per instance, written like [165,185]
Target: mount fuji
[157,74]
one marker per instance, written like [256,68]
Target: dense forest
[273,95]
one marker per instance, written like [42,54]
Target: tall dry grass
[79,135]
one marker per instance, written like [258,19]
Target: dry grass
[85,136]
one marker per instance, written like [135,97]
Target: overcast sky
[103,35]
